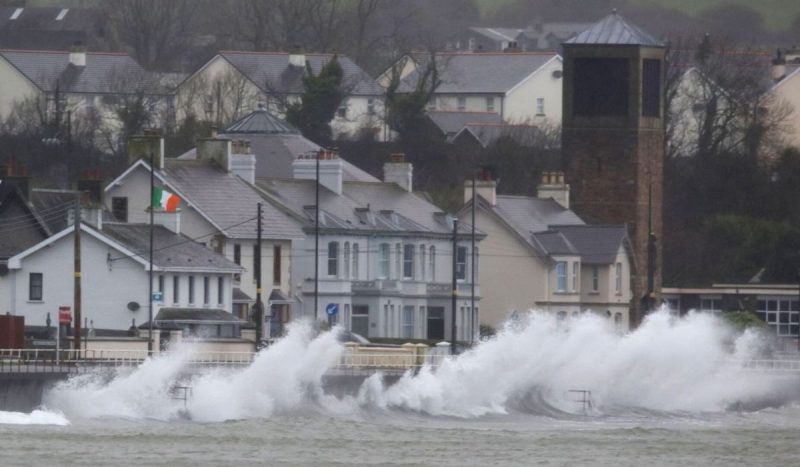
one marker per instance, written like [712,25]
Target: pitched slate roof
[497,34]
[21,226]
[553,242]
[614,30]
[528,214]
[276,144]
[170,250]
[228,200]
[452,122]
[596,244]
[48,27]
[362,206]
[490,73]
[486,134]
[261,122]
[271,71]
[103,73]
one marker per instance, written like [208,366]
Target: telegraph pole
[150,271]
[77,268]
[473,316]
[257,263]
[455,289]
[316,242]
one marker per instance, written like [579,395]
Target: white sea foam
[667,364]
[37,417]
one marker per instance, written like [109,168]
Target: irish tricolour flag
[165,200]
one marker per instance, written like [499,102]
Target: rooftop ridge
[261,52]
[62,52]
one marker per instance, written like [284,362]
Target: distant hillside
[778,14]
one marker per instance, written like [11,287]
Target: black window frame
[36,288]
[120,213]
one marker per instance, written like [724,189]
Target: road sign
[64,315]
[332,309]
[158,297]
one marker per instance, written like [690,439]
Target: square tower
[613,139]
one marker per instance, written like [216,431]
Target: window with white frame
[490,104]
[341,111]
[370,106]
[595,278]
[422,261]
[540,106]
[355,261]
[408,322]
[346,260]
[176,289]
[333,259]
[561,276]
[35,286]
[220,290]
[618,278]
[383,261]
[711,304]
[432,262]
[191,290]
[575,274]
[462,104]
[398,260]
[461,263]
[206,290]
[782,314]
[408,261]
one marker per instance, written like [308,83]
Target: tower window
[601,87]
[651,88]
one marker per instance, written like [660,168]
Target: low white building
[114,276]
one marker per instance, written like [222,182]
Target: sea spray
[142,392]
[37,417]
[667,364]
[281,378]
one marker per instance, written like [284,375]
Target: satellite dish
[558,74]
[133,306]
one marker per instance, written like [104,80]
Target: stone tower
[613,139]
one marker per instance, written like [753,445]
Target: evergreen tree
[322,95]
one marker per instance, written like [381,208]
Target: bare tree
[157,32]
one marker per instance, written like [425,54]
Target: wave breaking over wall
[691,364]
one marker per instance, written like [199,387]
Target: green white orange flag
[165,200]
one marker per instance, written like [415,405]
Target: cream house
[787,93]
[232,84]
[538,254]
[519,87]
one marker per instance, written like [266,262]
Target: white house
[385,252]
[218,208]
[232,84]
[538,254]
[114,274]
[519,87]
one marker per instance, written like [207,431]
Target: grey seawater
[767,437]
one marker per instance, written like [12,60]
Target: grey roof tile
[228,200]
[491,73]
[261,122]
[452,122]
[103,73]
[271,71]
[486,134]
[170,250]
[528,214]
[614,30]
[20,225]
[554,242]
[596,244]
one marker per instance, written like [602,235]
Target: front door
[436,322]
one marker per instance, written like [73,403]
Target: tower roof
[261,122]
[614,30]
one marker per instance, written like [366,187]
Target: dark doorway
[436,322]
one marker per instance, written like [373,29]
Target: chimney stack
[77,54]
[242,161]
[399,171]
[330,169]
[553,186]
[297,60]
[778,66]
[142,146]
[16,175]
[215,149]
[485,186]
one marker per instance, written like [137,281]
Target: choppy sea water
[768,437]
[673,392]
